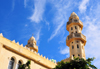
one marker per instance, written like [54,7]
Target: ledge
[73,22]
[77,36]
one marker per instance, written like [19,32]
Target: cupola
[32,44]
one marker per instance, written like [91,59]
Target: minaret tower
[32,44]
[75,40]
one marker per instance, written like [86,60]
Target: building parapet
[26,52]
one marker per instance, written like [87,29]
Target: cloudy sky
[46,19]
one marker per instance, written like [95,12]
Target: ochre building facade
[75,40]
[12,55]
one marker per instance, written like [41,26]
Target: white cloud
[37,15]
[37,36]
[83,6]
[92,32]
[13,5]
[60,17]
[65,50]
[47,23]
[56,31]
[26,25]
[25,3]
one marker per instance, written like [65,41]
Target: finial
[73,13]
[32,34]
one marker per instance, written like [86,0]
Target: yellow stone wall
[74,43]
[10,49]
[76,50]
[74,30]
[75,37]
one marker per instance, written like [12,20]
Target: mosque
[12,54]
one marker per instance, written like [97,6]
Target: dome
[32,38]
[73,14]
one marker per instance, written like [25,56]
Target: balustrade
[76,35]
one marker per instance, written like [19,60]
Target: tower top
[32,44]
[32,38]
[75,40]
[73,14]
[74,20]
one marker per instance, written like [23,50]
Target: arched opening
[11,63]
[19,63]
[77,46]
[73,55]
[75,27]
[78,54]
[72,47]
[71,19]
[71,28]
[75,20]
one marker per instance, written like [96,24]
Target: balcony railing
[79,36]
[76,35]
[74,21]
[33,46]
[36,47]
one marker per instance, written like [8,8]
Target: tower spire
[32,34]
[75,40]
[32,44]
[73,13]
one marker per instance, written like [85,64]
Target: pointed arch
[11,63]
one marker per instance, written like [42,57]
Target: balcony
[74,22]
[77,36]
[33,46]
[36,48]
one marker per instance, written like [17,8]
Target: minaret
[32,44]
[75,40]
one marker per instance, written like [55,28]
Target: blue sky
[46,19]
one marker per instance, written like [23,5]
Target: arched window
[71,28]
[75,27]
[77,46]
[75,20]
[73,55]
[72,47]
[78,54]
[11,63]
[71,19]
[19,63]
